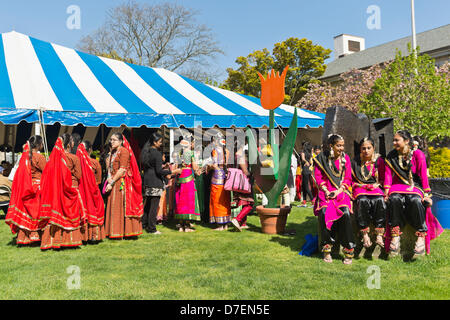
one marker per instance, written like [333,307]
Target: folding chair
[5,191]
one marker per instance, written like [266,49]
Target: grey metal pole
[413,26]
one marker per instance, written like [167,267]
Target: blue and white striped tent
[72,87]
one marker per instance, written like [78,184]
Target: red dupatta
[60,204]
[23,211]
[133,183]
[90,193]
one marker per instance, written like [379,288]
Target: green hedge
[440,162]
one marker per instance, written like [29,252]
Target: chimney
[346,44]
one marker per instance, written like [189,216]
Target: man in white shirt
[291,179]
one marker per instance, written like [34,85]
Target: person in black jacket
[154,174]
[306,158]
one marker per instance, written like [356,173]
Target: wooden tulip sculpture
[271,175]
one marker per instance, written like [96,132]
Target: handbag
[237,181]
[104,187]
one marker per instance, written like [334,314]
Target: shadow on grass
[174,224]
[253,228]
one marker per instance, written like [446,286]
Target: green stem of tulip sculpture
[281,159]
[273,182]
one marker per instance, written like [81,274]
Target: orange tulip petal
[272,89]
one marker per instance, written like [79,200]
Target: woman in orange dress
[90,193]
[62,216]
[220,199]
[23,212]
[124,207]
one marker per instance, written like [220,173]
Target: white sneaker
[236,224]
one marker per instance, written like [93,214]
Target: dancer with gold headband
[333,175]
[409,193]
[368,178]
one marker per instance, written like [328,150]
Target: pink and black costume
[369,197]
[334,214]
[407,182]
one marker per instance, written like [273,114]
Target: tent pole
[37,129]
[165,141]
[102,132]
[14,144]
[171,145]
[42,130]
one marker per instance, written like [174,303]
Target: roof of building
[426,41]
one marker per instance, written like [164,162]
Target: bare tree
[164,35]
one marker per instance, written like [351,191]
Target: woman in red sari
[62,213]
[22,216]
[90,193]
[124,207]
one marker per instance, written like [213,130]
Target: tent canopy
[72,87]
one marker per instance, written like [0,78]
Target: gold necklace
[372,167]
[407,158]
[341,167]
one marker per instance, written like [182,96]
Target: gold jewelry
[370,170]
[330,164]
[408,155]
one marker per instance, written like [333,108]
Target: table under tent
[49,89]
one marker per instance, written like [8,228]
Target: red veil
[90,193]
[60,204]
[133,183]
[23,211]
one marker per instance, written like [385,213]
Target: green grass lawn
[209,264]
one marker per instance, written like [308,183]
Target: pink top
[322,178]
[343,199]
[418,166]
[332,206]
[359,189]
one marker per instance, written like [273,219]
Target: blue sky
[240,26]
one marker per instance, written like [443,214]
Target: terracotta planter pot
[273,220]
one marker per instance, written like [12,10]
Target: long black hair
[103,156]
[35,143]
[67,139]
[76,141]
[145,153]
[307,150]
[422,146]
